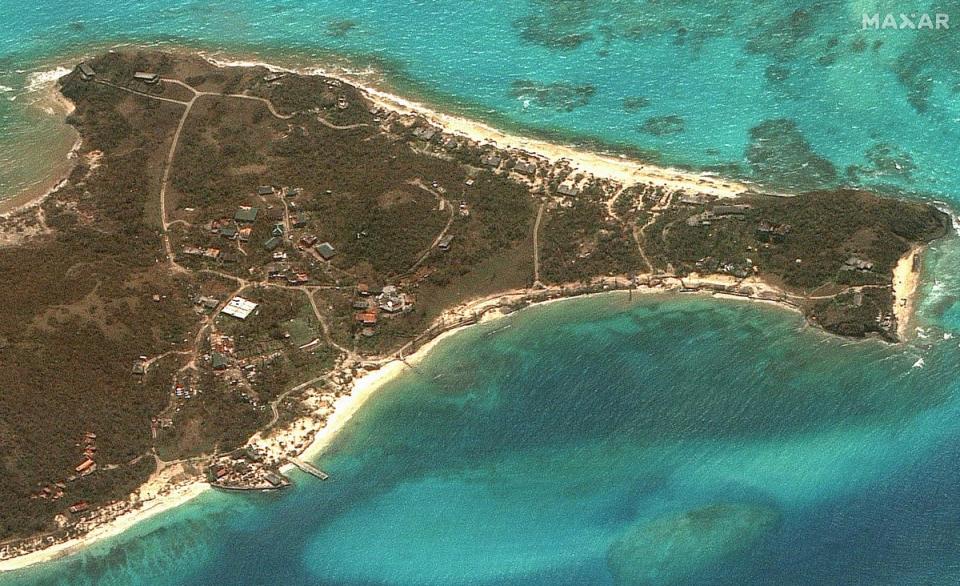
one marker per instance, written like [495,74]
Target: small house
[568,189]
[367,318]
[272,243]
[731,210]
[327,251]
[525,167]
[139,368]
[277,230]
[218,361]
[208,302]
[265,190]
[79,507]
[308,241]
[86,72]
[228,232]
[246,215]
[444,243]
[146,77]
[491,160]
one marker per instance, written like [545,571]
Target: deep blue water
[664,441]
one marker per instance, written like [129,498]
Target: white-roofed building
[239,307]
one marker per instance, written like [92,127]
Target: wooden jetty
[309,468]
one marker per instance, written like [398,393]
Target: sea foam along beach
[622,169]
[48,100]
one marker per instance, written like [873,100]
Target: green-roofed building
[247,215]
[272,244]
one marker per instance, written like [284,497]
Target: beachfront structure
[731,210]
[490,160]
[86,72]
[146,77]
[525,167]
[240,308]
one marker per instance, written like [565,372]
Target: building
[273,76]
[86,467]
[857,263]
[491,160]
[208,302]
[525,167]
[308,241]
[567,189]
[246,214]
[86,72]
[218,361]
[277,230]
[239,308]
[367,318]
[426,133]
[79,507]
[772,232]
[733,210]
[265,190]
[444,243]
[272,243]
[229,232]
[363,289]
[146,77]
[244,233]
[694,199]
[327,251]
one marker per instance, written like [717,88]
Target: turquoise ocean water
[659,441]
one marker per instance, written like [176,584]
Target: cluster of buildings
[245,470]
[370,303]
[737,212]
[146,78]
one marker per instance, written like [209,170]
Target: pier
[309,468]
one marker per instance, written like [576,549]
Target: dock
[309,468]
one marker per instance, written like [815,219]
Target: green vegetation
[99,291]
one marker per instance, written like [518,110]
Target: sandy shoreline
[622,169]
[626,171]
[153,503]
[906,279]
[55,104]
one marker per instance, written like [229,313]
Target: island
[240,254]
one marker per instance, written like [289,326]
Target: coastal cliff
[236,245]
